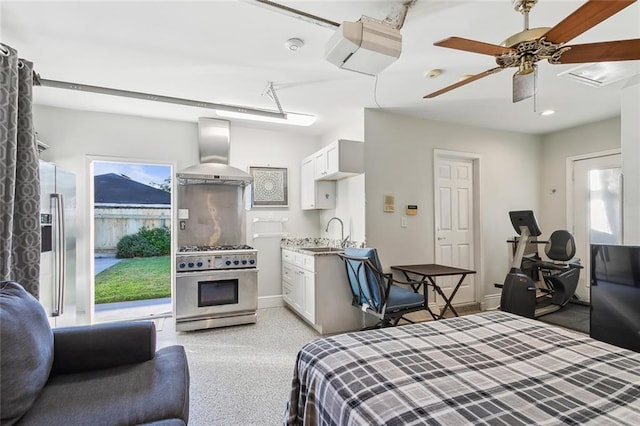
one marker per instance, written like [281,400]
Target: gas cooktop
[225,247]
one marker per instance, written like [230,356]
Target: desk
[429,272]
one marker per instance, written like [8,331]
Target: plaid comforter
[489,368]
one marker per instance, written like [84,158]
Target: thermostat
[412,210]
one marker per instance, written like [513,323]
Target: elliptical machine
[520,294]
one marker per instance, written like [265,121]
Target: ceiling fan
[524,49]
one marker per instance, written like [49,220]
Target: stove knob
[190,264]
[199,264]
[251,261]
[228,262]
[244,262]
[182,265]
[235,262]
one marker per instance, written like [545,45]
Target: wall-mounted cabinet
[315,194]
[338,160]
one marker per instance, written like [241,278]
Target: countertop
[303,250]
[301,245]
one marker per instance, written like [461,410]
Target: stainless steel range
[216,281]
[216,286]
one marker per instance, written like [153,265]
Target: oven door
[212,294]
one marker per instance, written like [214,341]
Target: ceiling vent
[602,74]
[365,46]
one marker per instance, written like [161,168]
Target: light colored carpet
[241,375]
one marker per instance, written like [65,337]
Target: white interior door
[597,209]
[454,218]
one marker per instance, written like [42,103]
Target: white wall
[74,136]
[257,147]
[556,148]
[399,162]
[350,206]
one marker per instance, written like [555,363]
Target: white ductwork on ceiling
[213,145]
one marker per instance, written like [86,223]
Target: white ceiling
[227,51]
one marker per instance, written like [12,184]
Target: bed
[488,368]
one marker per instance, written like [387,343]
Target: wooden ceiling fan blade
[620,50]
[473,46]
[462,82]
[586,16]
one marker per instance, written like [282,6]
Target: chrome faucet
[343,240]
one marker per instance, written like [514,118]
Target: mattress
[488,368]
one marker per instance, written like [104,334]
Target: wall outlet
[403,222]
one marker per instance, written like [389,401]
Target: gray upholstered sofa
[107,374]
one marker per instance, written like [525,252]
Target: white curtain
[19,176]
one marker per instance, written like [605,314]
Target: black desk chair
[376,292]
[561,275]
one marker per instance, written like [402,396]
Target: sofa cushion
[26,351]
[147,392]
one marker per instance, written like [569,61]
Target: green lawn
[135,279]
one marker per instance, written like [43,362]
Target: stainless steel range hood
[213,144]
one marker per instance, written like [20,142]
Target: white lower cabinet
[309,285]
[298,284]
[316,288]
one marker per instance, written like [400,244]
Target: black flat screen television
[615,295]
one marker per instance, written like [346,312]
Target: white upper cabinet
[338,160]
[315,194]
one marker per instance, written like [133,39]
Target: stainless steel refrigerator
[58,252]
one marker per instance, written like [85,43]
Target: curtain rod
[37,81]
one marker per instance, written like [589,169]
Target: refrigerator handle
[60,255]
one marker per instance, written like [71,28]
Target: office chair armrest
[575,263]
[411,283]
[549,266]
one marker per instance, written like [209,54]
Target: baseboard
[270,302]
[490,302]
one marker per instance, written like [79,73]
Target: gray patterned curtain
[19,175]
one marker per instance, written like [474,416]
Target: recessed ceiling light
[294,44]
[548,112]
[433,73]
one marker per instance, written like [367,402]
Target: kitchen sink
[322,249]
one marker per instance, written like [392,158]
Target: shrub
[146,242]
[135,245]
[160,238]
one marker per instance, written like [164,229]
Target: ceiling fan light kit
[524,49]
[524,85]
